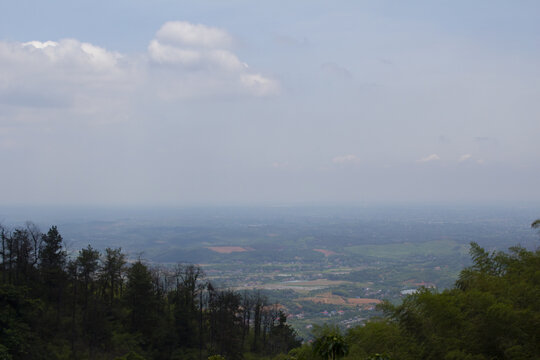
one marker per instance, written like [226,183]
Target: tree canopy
[97,306]
[100,306]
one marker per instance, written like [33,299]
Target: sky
[168,102]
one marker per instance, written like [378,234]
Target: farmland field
[228,249]
[330,298]
[406,249]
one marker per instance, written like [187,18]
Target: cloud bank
[183,61]
[429,158]
[465,157]
[59,74]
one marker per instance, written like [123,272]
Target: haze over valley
[269,180]
[323,264]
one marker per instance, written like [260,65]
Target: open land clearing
[299,285]
[408,249]
[228,249]
[329,298]
[326,252]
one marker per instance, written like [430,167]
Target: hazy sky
[197,102]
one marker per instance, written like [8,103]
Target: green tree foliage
[304,352]
[216,357]
[20,254]
[132,355]
[52,261]
[188,305]
[329,343]
[493,312]
[141,300]
[378,338]
[95,306]
[87,264]
[282,337]
[225,323]
[379,357]
[19,316]
[52,255]
[111,274]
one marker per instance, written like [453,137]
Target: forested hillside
[100,306]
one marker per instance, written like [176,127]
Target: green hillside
[102,306]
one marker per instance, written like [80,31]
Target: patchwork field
[326,252]
[404,249]
[332,299]
[318,282]
[228,249]
[297,285]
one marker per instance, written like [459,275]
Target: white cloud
[259,84]
[183,34]
[162,53]
[194,58]
[195,48]
[68,52]
[465,157]
[60,74]
[183,61]
[345,159]
[432,157]
[227,60]
[40,45]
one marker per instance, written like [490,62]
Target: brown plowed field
[325,252]
[329,298]
[228,249]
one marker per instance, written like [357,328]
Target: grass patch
[401,250]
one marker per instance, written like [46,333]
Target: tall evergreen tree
[52,254]
[141,300]
[111,275]
[52,260]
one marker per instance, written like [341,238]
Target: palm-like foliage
[330,344]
